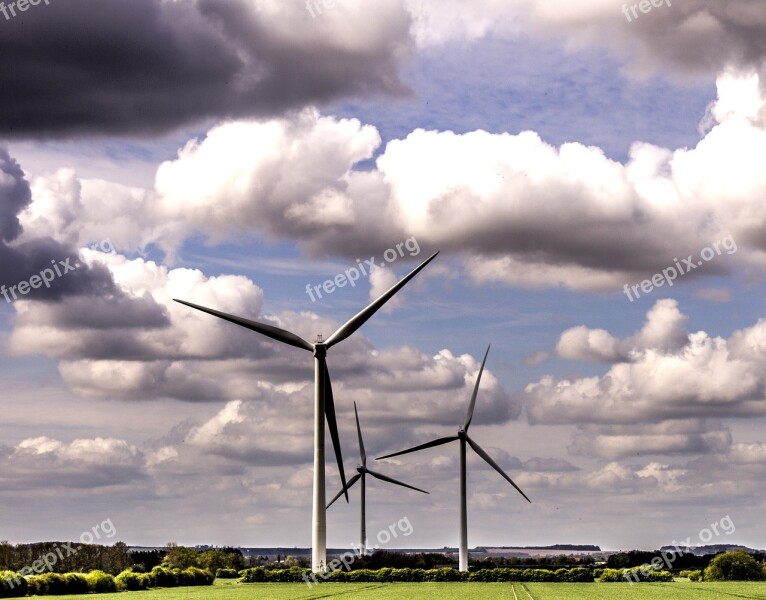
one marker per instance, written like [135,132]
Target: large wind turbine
[462,436]
[324,406]
[361,472]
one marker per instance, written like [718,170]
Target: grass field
[228,590]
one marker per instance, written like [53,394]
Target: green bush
[254,575]
[100,582]
[55,584]
[164,577]
[339,576]
[483,575]
[184,577]
[645,573]
[542,575]
[734,566]
[128,580]
[611,576]
[575,575]
[35,587]
[444,574]
[361,575]
[227,574]
[12,585]
[76,583]
[407,574]
[196,576]
[291,575]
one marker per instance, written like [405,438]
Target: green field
[229,590]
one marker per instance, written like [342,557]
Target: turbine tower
[324,405]
[462,437]
[361,472]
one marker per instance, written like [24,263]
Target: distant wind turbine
[324,406]
[361,472]
[462,436]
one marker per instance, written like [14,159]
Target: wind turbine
[462,436]
[324,405]
[361,472]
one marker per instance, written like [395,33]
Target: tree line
[70,557]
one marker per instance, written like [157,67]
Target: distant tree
[257,561]
[6,555]
[181,557]
[634,558]
[734,566]
[235,558]
[116,558]
[147,559]
[212,560]
[291,561]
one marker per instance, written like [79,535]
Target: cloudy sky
[560,155]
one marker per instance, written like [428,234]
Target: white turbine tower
[462,436]
[324,406]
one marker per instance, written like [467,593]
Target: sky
[591,174]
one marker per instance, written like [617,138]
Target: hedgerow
[390,575]
[14,585]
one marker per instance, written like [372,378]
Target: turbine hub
[320,350]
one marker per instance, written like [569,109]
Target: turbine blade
[469,414]
[351,482]
[332,424]
[362,453]
[431,444]
[392,480]
[357,321]
[274,333]
[478,449]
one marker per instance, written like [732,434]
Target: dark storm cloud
[22,261]
[15,196]
[143,66]
[94,299]
[110,313]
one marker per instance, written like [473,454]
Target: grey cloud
[143,66]
[549,465]
[694,436]
[97,463]
[118,312]
[704,36]
[24,260]
[15,196]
